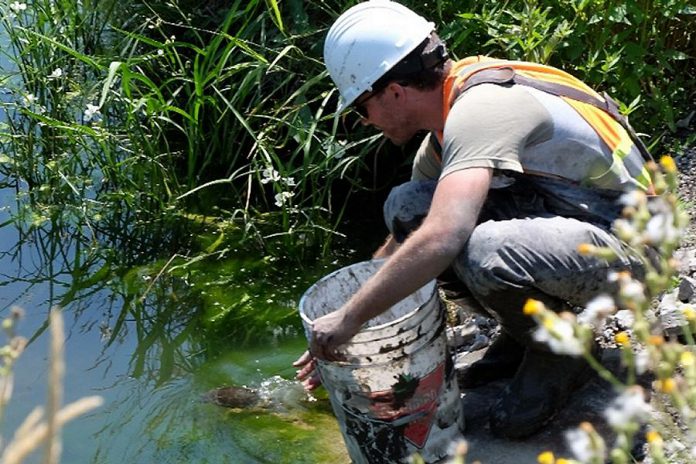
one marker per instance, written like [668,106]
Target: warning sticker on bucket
[411,402]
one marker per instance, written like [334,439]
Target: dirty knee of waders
[539,390]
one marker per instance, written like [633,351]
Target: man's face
[386,111]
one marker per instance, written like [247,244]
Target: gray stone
[624,319]
[461,336]
[687,288]
[481,341]
[671,314]
[687,261]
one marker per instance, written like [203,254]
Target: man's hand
[307,373]
[331,331]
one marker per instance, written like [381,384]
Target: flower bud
[532,307]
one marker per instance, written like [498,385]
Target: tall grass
[162,123]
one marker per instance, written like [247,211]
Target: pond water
[151,364]
[148,416]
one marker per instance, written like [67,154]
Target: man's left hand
[331,331]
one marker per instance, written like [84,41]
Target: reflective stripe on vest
[607,128]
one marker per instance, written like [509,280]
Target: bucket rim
[379,262]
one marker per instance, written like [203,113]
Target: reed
[37,430]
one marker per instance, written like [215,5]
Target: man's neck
[430,105]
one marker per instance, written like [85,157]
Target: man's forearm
[421,258]
[428,251]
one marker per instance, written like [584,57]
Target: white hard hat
[366,41]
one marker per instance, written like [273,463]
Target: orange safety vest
[599,111]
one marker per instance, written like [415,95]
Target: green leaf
[277,18]
[113,68]
[618,15]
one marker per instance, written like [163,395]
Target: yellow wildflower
[562,461]
[668,164]
[622,339]
[532,307]
[667,385]
[687,358]
[546,458]
[653,437]
[586,248]
[689,313]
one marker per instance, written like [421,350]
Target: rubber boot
[501,361]
[541,386]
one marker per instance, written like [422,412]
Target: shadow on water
[151,340]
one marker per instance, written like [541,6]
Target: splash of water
[283,395]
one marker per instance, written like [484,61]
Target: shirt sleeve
[427,164]
[490,125]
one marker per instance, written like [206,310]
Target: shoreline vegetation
[151,127]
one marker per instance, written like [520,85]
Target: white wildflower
[18,7]
[29,99]
[633,198]
[290,181]
[597,310]
[56,73]
[633,291]
[627,408]
[269,175]
[580,444]
[660,229]
[558,334]
[282,197]
[91,111]
[642,361]
[160,52]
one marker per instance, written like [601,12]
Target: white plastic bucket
[396,393]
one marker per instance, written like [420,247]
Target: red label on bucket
[410,401]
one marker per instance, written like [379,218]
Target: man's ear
[396,89]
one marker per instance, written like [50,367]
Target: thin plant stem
[55,390]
